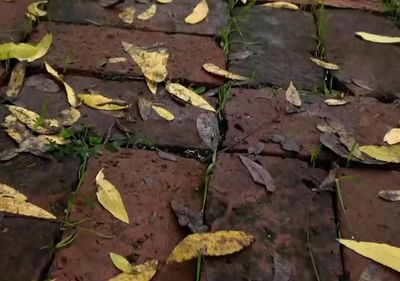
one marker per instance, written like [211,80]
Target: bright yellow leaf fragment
[378,38]
[15,129]
[117,60]
[149,13]
[392,137]
[212,68]
[141,272]
[71,96]
[164,1]
[188,96]
[198,14]
[210,244]
[325,65]
[34,9]
[69,116]
[153,64]
[12,201]
[127,15]
[281,5]
[152,86]
[57,139]
[379,252]
[163,112]
[121,263]
[390,154]
[16,80]
[109,198]
[101,102]
[24,51]
[335,102]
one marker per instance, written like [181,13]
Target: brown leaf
[286,143]
[327,183]
[282,271]
[16,80]
[144,107]
[166,156]
[208,129]
[292,95]
[390,195]
[259,174]
[189,218]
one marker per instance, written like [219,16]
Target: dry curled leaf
[390,195]
[282,271]
[333,102]
[375,38]
[188,95]
[189,218]
[327,183]
[152,86]
[162,112]
[324,64]
[12,201]
[16,80]
[281,5]
[259,174]
[218,243]
[69,116]
[208,129]
[121,263]
[149,13]
[127,15]
[292,95]
[144,107]
[392,137]
[212,68]
[98,101]
[285,142]
[24,51]
[199,13]
[34,10]
[166,156]
[15,129]
[390,154]
[141,272]
[109,198]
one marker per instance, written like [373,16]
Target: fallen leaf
[379,252]
[24,51]
[15,129]
[152,86]
[8,154]
[292,95]
[164,1]
[166,156]
[390,195]
[127,15]
[240,55]
[153,64]
[149,13]
[281,5]
[390,154]
[362,84]
[378,38]
[188,96]
[218,243]
[189,218]
[34,9]
[69,116]
[324,64]
[371,273]
[285,142]
[71,97]
[208,129]
[117,60]
[259,174]
[57,139]
[12,201]
[282,271]
[121,263]
[333,102]
[16,80]
[392,137]
[198,14]
[35,145]
[212,68]
[327,183]
[163,112]
[141,272]
[144,107]
[98,101]
[108,3]
[30,119]
[109,198]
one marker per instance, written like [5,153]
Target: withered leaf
[144,107]
[166,156]
[189,218]
[292,95]
[286,143]
[16,80]
[208,129]
[282,271]
[259,174]
[390,195]
[327,183]
[108,3]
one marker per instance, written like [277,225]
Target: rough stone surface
[180,132]
[3,75]
[147,184]
[21,238]
[278,220]
[187,53]
[371,5]
[366,68]
[369,218]
[13,24]
[279,50]
[168,18]
[257,113]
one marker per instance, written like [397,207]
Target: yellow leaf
[325,65]
[16,80]
[31,17]
[198,14]
[334,102]
[141,272]
[281,5]
[110,199]
[34,9]
[212,68]
[71,97]
[101,102]
[121,263]
[152,86]
[210,244]
[389,154]
[127,15]
[188,96]
[378,38]
[149,13]
[32,120]
[392,137]
[12,201]
[153,64]
[117,60]
[58,139]
[163,112]
[164,1]
[15,129]
[69,116]
[24,51]
[379,252]
[292,95]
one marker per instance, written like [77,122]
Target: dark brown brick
[13,23]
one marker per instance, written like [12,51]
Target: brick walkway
[299,221]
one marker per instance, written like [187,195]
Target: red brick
[153,230]
[187,52]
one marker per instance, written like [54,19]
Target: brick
[13,23]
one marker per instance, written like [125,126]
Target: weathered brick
[13,23]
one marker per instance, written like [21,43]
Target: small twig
[308,239]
